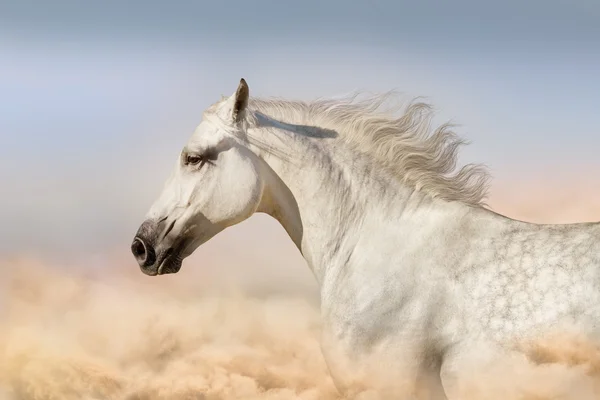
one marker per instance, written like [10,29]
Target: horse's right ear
[242,95]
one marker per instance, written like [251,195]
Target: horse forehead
[207,132]
[200,141]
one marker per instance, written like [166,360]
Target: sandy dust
[112,333]
[66,335]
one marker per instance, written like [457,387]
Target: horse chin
[170,265]
[170,262]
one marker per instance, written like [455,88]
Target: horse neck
[324,195]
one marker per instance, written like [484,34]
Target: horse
[418,277]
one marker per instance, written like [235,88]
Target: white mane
[419,156]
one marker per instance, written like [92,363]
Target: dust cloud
[112,333]
[68,335]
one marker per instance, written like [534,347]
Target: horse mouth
[171,262]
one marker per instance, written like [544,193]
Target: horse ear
[242,94]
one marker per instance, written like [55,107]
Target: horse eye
[193,159]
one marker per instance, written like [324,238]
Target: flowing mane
[406,145]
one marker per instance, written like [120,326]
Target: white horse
[416,276]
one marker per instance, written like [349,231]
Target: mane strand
[404,144]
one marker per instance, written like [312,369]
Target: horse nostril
[138,248]
[143,253]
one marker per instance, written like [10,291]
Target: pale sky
[97,98]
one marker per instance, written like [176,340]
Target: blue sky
[97,98]
[437,23]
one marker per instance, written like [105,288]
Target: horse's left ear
[242,94]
